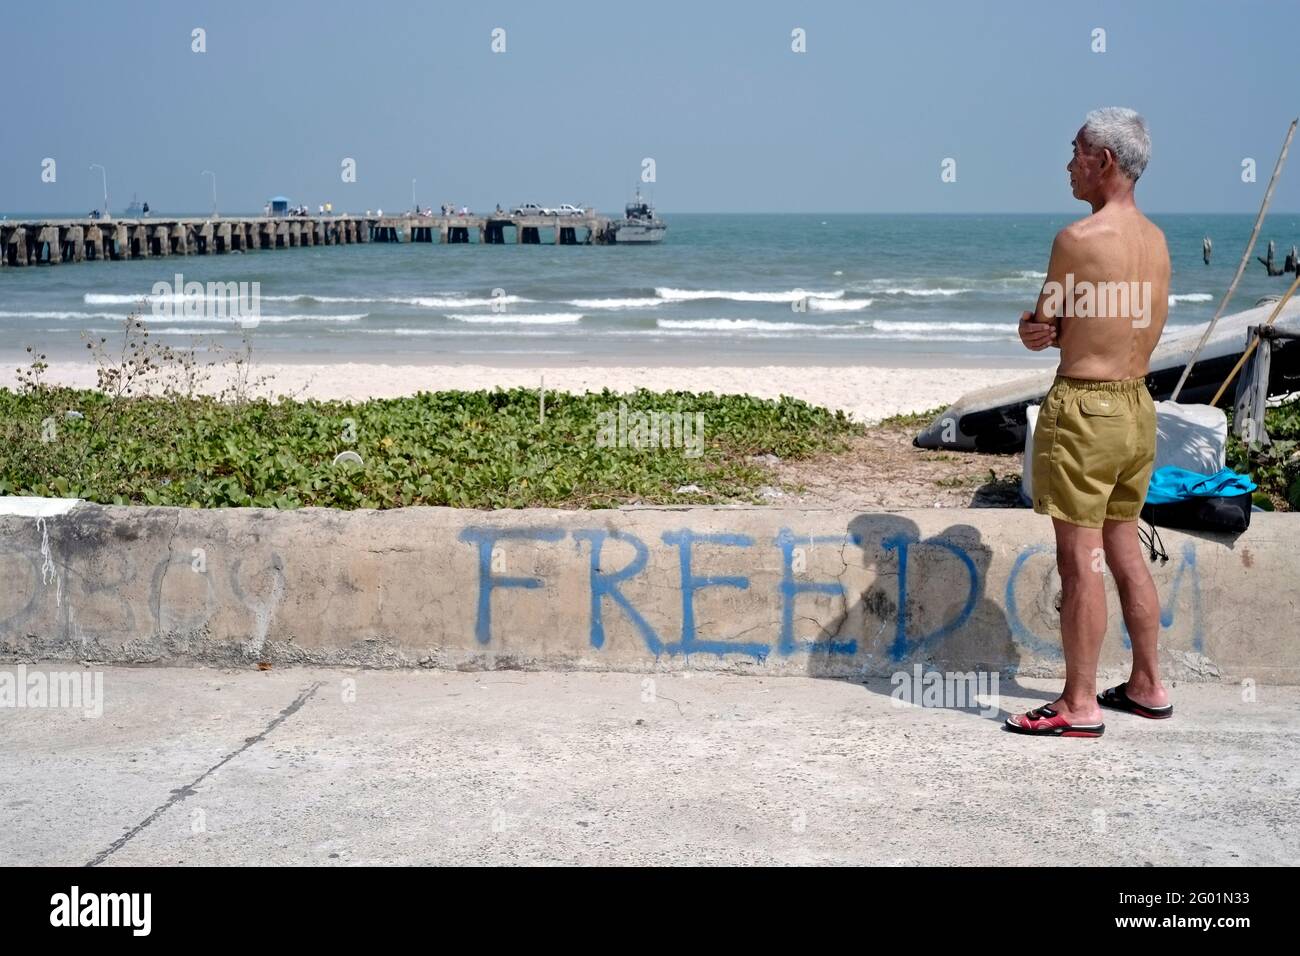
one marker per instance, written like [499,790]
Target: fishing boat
[639,224]
[994,419]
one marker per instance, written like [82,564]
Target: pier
[55,241]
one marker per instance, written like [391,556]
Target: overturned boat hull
[993,419]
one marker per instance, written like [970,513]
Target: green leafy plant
[481,449]
[1274,467]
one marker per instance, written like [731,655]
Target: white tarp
[1194,437]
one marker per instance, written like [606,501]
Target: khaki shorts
[1094,450]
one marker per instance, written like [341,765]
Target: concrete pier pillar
[75,239]
[49,237]
[222,237]
[92,243]
[120,245]
[139,241]
[160,240]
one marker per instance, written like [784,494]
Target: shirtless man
[1104,304]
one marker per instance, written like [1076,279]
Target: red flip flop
[1045,722]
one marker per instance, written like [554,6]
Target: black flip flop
[1117,698]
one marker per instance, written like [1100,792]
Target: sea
[789,289]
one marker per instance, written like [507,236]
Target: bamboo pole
[1255,342]
[1241,267]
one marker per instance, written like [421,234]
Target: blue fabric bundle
[1170,485]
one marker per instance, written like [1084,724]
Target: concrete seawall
[746,590]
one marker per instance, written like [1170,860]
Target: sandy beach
[868,393]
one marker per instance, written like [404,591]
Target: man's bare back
[1110,273]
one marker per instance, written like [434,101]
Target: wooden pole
[1254,342]
[1241,267]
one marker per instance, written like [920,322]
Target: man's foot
[1083,713]
[1047,722]
[1119,698]
[1145,691]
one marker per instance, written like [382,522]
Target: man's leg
[1083,619]
[1137,595]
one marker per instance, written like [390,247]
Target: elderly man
[1104,304]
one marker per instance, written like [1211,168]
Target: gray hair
[1124,133]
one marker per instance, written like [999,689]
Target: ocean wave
[426,302]
[838,305]
[887,325]
[552,318]
[741,325]
[793,295]
[62,315]
[1191,297]
[174,330]
[114,298]
[314,318]
[462,333]
[918,291]
[239,319]
[632,303]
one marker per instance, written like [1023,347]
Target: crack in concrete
[171,541]
[180,793]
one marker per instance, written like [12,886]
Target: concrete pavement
[341,766]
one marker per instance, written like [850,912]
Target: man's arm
[1041,328]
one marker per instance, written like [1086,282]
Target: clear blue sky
[735,120]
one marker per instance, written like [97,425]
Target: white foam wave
[741,325]
[1190,297]
[62,315]
[918,291]
[886,325]
[838,305]
[632,303]
[427,302]
[552,318]
[793,295]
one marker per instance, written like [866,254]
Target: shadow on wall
[926,606]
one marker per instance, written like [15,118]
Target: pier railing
[54,241]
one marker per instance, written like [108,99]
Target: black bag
[1230,514]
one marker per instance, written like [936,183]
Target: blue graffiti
[1167,610]
[605,585]
[1019,631]
[903,544]
[606,590]
[689,643]
[486,539]
[790,588]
